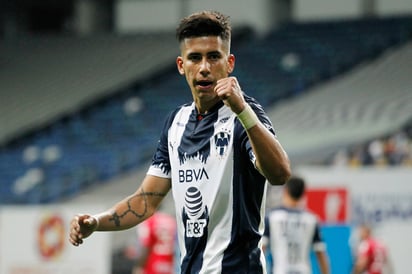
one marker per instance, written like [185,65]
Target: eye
[194,57]
[214,56]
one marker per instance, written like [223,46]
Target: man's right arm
[125,214]
[323,260]
[320,250]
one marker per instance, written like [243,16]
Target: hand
[229,91]
[81,227]
[137,270]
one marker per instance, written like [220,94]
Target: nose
[204,67]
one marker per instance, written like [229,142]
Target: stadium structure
[81,107]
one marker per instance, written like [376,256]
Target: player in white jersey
[292,232]
[215,154]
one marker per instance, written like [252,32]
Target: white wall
[146,15]
[326,9]
[165,14]
[34,239]
[134,15]
[241,11]
[394,6]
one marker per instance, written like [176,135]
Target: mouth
[204,84]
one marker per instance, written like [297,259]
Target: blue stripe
[243,254]
[193,260]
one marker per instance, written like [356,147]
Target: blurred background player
[156,245]
[372,255]
[291,232]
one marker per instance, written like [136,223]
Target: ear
[231,63]
[179,64]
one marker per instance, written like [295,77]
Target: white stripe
[221,215]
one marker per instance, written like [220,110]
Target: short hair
[295,186]
[204,23]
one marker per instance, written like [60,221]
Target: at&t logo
[196,213]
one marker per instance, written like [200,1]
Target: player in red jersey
[372,254]
[156,239]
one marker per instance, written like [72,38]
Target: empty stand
[119,132]
[46,77]
[370,101]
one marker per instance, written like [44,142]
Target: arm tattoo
[116,218]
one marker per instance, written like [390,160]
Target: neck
[205,107]
[291,203]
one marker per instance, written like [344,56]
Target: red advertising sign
[330,204]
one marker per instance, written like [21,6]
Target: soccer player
[156,241]
[372,255]
[215,154]
[292,232]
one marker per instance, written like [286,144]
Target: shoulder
[254,104]
[170,117]
[311,214]
[364,247]
[259,110]
[279,210]
[164,220]
[164,216]
[173,113]
[377,243]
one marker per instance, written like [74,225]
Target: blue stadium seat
[101,141]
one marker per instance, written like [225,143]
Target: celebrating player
[215,154]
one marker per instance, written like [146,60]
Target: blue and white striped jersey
[291,234]
[219,195]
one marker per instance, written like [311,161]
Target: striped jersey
[291,235]
[218,193]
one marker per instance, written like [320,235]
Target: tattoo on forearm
[116,218]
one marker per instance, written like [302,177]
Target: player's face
[203,61]
[363,232]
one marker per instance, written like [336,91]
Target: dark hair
[204,23]
[295,186]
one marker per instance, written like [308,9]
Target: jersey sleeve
[160,165]
[317,243]
[258,109]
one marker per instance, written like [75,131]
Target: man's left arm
[271,159]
